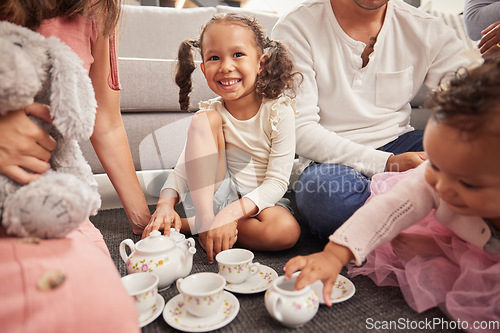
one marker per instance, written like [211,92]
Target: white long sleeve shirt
[409,201]
[259,151]
[345,110]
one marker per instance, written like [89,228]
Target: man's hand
[25,149]
[405,161]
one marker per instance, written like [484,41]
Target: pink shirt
[80,33]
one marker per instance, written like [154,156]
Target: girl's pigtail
[185,67]
[278,76]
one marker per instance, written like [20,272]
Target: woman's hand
[25,149]
[325,266]
[489,45]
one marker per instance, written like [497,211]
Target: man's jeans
[328,194]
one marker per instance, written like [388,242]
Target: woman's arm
[478,15]
[110,140]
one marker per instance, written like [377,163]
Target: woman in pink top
[449,252]
[91,298]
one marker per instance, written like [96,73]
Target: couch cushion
[156,32]
[156,140]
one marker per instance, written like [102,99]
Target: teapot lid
[155,242]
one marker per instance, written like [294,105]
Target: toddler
[451,257]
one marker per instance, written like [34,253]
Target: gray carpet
[370,307]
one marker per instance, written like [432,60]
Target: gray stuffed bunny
[45,70]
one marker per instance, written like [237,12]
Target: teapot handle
[123,252]
[190,242]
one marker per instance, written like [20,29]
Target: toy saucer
[148,318]
[255,284]
[176,315]
[343,289]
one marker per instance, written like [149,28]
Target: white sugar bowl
[292,308]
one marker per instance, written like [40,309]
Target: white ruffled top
[259,151]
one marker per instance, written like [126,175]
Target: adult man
[363,61]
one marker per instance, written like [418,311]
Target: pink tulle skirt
[436,268]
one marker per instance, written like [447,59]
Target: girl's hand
[325,266]
[218,239]
[164,218]
[489,44]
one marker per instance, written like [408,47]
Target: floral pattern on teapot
[147,266]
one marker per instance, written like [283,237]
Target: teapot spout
[188,262]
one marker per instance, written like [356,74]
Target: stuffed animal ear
[19,78]
[19,82]
[72,100]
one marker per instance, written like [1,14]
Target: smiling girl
[449,209]
[240,148]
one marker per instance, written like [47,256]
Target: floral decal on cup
[206,300]
[233,268]
[144,296]
[147,266]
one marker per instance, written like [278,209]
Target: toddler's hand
[324,266]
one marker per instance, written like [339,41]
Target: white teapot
[161,255]
[181,240]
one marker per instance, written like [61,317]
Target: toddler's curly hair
[471,99]
[277,78]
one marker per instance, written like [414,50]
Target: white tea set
[205,301]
